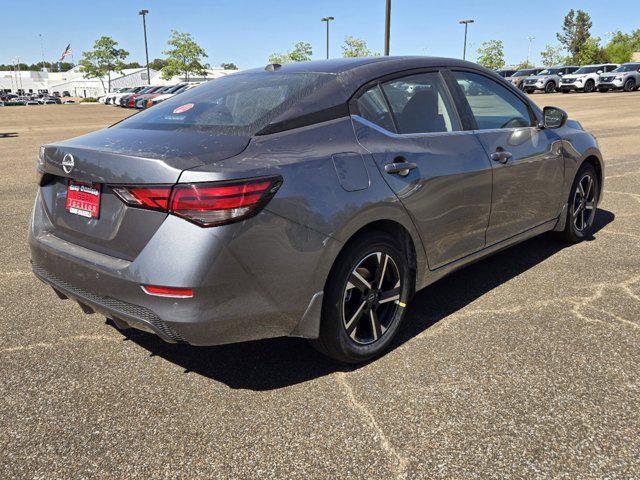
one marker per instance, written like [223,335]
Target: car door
[528,169]
[436,167]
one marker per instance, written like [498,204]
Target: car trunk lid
[120,156]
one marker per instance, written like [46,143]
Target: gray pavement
[525,365]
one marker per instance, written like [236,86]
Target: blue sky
[247,31]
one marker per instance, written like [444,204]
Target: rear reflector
[170,292]
[205,204]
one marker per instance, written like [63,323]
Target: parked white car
[626,77]
[585,79]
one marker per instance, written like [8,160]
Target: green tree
[229,66]
[524,64]
[132,65]
[105,58]
[356,47]
[552,56]
[158,64]
[491,54]
[184,56]
[591,52]
[622,46]
[301,53]
[575,32]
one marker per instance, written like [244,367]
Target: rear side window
[373,107]
[421,104]
[493,105]
[239,104]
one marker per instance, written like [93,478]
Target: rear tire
[364,298]
[582,205]
[590,86]
[630,85]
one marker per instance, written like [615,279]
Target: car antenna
[272,67]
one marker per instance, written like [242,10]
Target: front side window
[421,104]
[493,105]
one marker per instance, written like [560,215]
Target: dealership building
[74,82]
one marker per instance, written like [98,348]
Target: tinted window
[420,104]
[493,105]
[373,107]
[239,104]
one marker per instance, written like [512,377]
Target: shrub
[89,100]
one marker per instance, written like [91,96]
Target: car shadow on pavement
[8,134]
[282,362]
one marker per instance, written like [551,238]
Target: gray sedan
[308,200]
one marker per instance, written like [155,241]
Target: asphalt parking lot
[524,365]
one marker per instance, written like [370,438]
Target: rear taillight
[169,292]
[205,204]
[153,197]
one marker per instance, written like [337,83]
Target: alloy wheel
[583,209]
[371,298]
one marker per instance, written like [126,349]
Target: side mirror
[560,74]
[553,117]
[599,72]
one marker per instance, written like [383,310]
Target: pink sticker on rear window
[183,108]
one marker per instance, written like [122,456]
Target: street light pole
[466,25]
[531,39]
[146,49]
[327,20]
[387,28]
[42,49]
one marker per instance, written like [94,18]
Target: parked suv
[517,79]
[626,77]
[548,79]
[585,78]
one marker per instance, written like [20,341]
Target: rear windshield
[238,104]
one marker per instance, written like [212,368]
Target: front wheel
[583,201]
[550,87]
[364,299]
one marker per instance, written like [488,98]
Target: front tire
[550,87]
[365,298]
[583,201]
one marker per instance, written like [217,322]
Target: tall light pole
[466,26]
[42,50]
[146,49]
[327,20]
[387,27]
[531,39]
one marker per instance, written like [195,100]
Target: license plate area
[83,199]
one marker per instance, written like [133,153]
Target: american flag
[67,52]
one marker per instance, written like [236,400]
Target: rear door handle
[401,168]
[501,156]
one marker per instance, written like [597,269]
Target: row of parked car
[41,98]
[144,96]
[588,78]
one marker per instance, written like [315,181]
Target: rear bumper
[252,280]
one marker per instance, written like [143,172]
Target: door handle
[501,156]
[401,168]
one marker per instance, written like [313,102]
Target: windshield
[632,67]
[524,73]
[239,104]
[588,70]
[550,71]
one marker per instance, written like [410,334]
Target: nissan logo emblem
[68,163]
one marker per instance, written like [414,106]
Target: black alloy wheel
[365,298]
